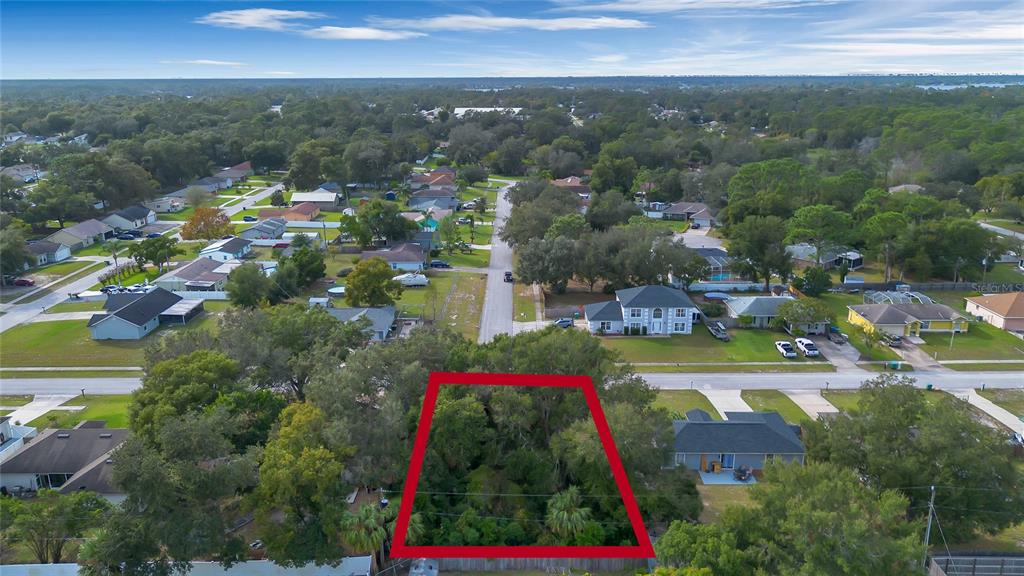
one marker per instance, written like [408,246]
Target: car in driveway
[695,225]
[412,280]
[248,218]
[154,235]
[24,282]
[439,264]
[563,322]
[893,341]
[125,236]
[110,289]
[785,348]
[463,221]
[807,347]
[508,276]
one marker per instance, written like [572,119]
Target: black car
[125,236]
[439,264]
[154,235]
[508,276]
[137,233]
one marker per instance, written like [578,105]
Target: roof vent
[63,435]
[105,435]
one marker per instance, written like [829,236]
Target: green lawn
[112,408]
[523,309]
[679,402]
[62,282]
[190,251]
[746,346]
[464,304]
[426,300]
[481,233]
[1008,224]
[14,400]
[987,366]
[70,374]
[1004,274]
[477,259]
[75,307]
[981,342]
[1012,400]
[179,216]
[838,304]
[717,498]
[266,201]
[98,249]
[147,275]
[774,401]
[61,268]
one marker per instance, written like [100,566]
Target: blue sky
[237,39]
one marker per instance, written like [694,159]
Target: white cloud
[205,62]
[470,22]
[895,49]
[280,72]
[358,33]
[258,18]
[665,6]
[609,58]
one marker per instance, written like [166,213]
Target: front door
[703,462]
[728,461]
[656,328]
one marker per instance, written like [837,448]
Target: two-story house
[644,310]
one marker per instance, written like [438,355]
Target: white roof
[318,195]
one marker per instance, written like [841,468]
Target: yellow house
[907,319]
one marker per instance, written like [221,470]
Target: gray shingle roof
[134,212]
[230,246]
[756,305]
[88,229]
[43,247]
[64,451]
[404,252]
[609,311]
[741,433]
[142,309]
[653,296]
[380,319]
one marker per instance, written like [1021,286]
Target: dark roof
[689,208]
[217,180]
[134,212]
[43,247]
[142,309]
[86,229]
[603,311]
[405,252]
[118,301]
[198,269]
[96,476]
[432,193]
[653,296]
[381,319]
[231,245]
[64,451]
[740,433]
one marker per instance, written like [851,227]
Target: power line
[944,543]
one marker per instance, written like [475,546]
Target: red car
[24,282]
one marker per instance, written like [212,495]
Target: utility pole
[928,528]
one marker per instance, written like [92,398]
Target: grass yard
[871,271]
[266,201]
[523,309]
[739,368]
[180,216]
[65,343]
[717,498]
[111,408]
[1004,274]
[746,346]
[14,400]
[62,282]
[98,249]
[428,301]
[59,269]
[75,307]
[847,400]
[774,401]
[1012,400]
[464,304]
[679,402]
[481,233]
[70,374]
[190,251]
[1009,540]
[987,367]
[838,304]
[477,259]
[981,342]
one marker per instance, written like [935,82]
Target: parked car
[893,340]
[154,235]
[785,348]
[469,205]
[439,264]
[125,236]
[137,233]
[462,221]
[564,322]
[249,218]
[838,338]
[807,347]
[695,225]
[110,289]
[508,276]
[412,279]
[24,282]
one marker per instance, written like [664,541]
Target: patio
[724,478]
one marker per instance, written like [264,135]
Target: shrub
[713,309]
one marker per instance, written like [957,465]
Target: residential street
[71,386]
[15,314]
[251,200]
[497,313]
[1001,231]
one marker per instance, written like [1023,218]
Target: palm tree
[364,531]
[566,514]
[115,246]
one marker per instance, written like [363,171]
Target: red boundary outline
[399,549]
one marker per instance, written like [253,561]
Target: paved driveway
[699,239]
[727,401]
[811,402]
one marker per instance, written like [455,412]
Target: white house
[406,256]
[233,248]
[12,437]
[166,204]
[49,252]
[644,310]
[82,234]
[131,218]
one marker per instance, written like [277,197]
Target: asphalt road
[497,314]
[1001,231]
[15,314]
[251,201]
[665,381]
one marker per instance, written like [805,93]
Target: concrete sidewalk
[996,412]
[40,405]
[727,401]
[811,402]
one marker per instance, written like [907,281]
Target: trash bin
[576,315]
[928,387]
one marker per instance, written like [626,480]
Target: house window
[728,461]
[680,458]
[635,313]
[658,313]
[606,326]
[679,327]
[769,458]
[925,324]
[680,312]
